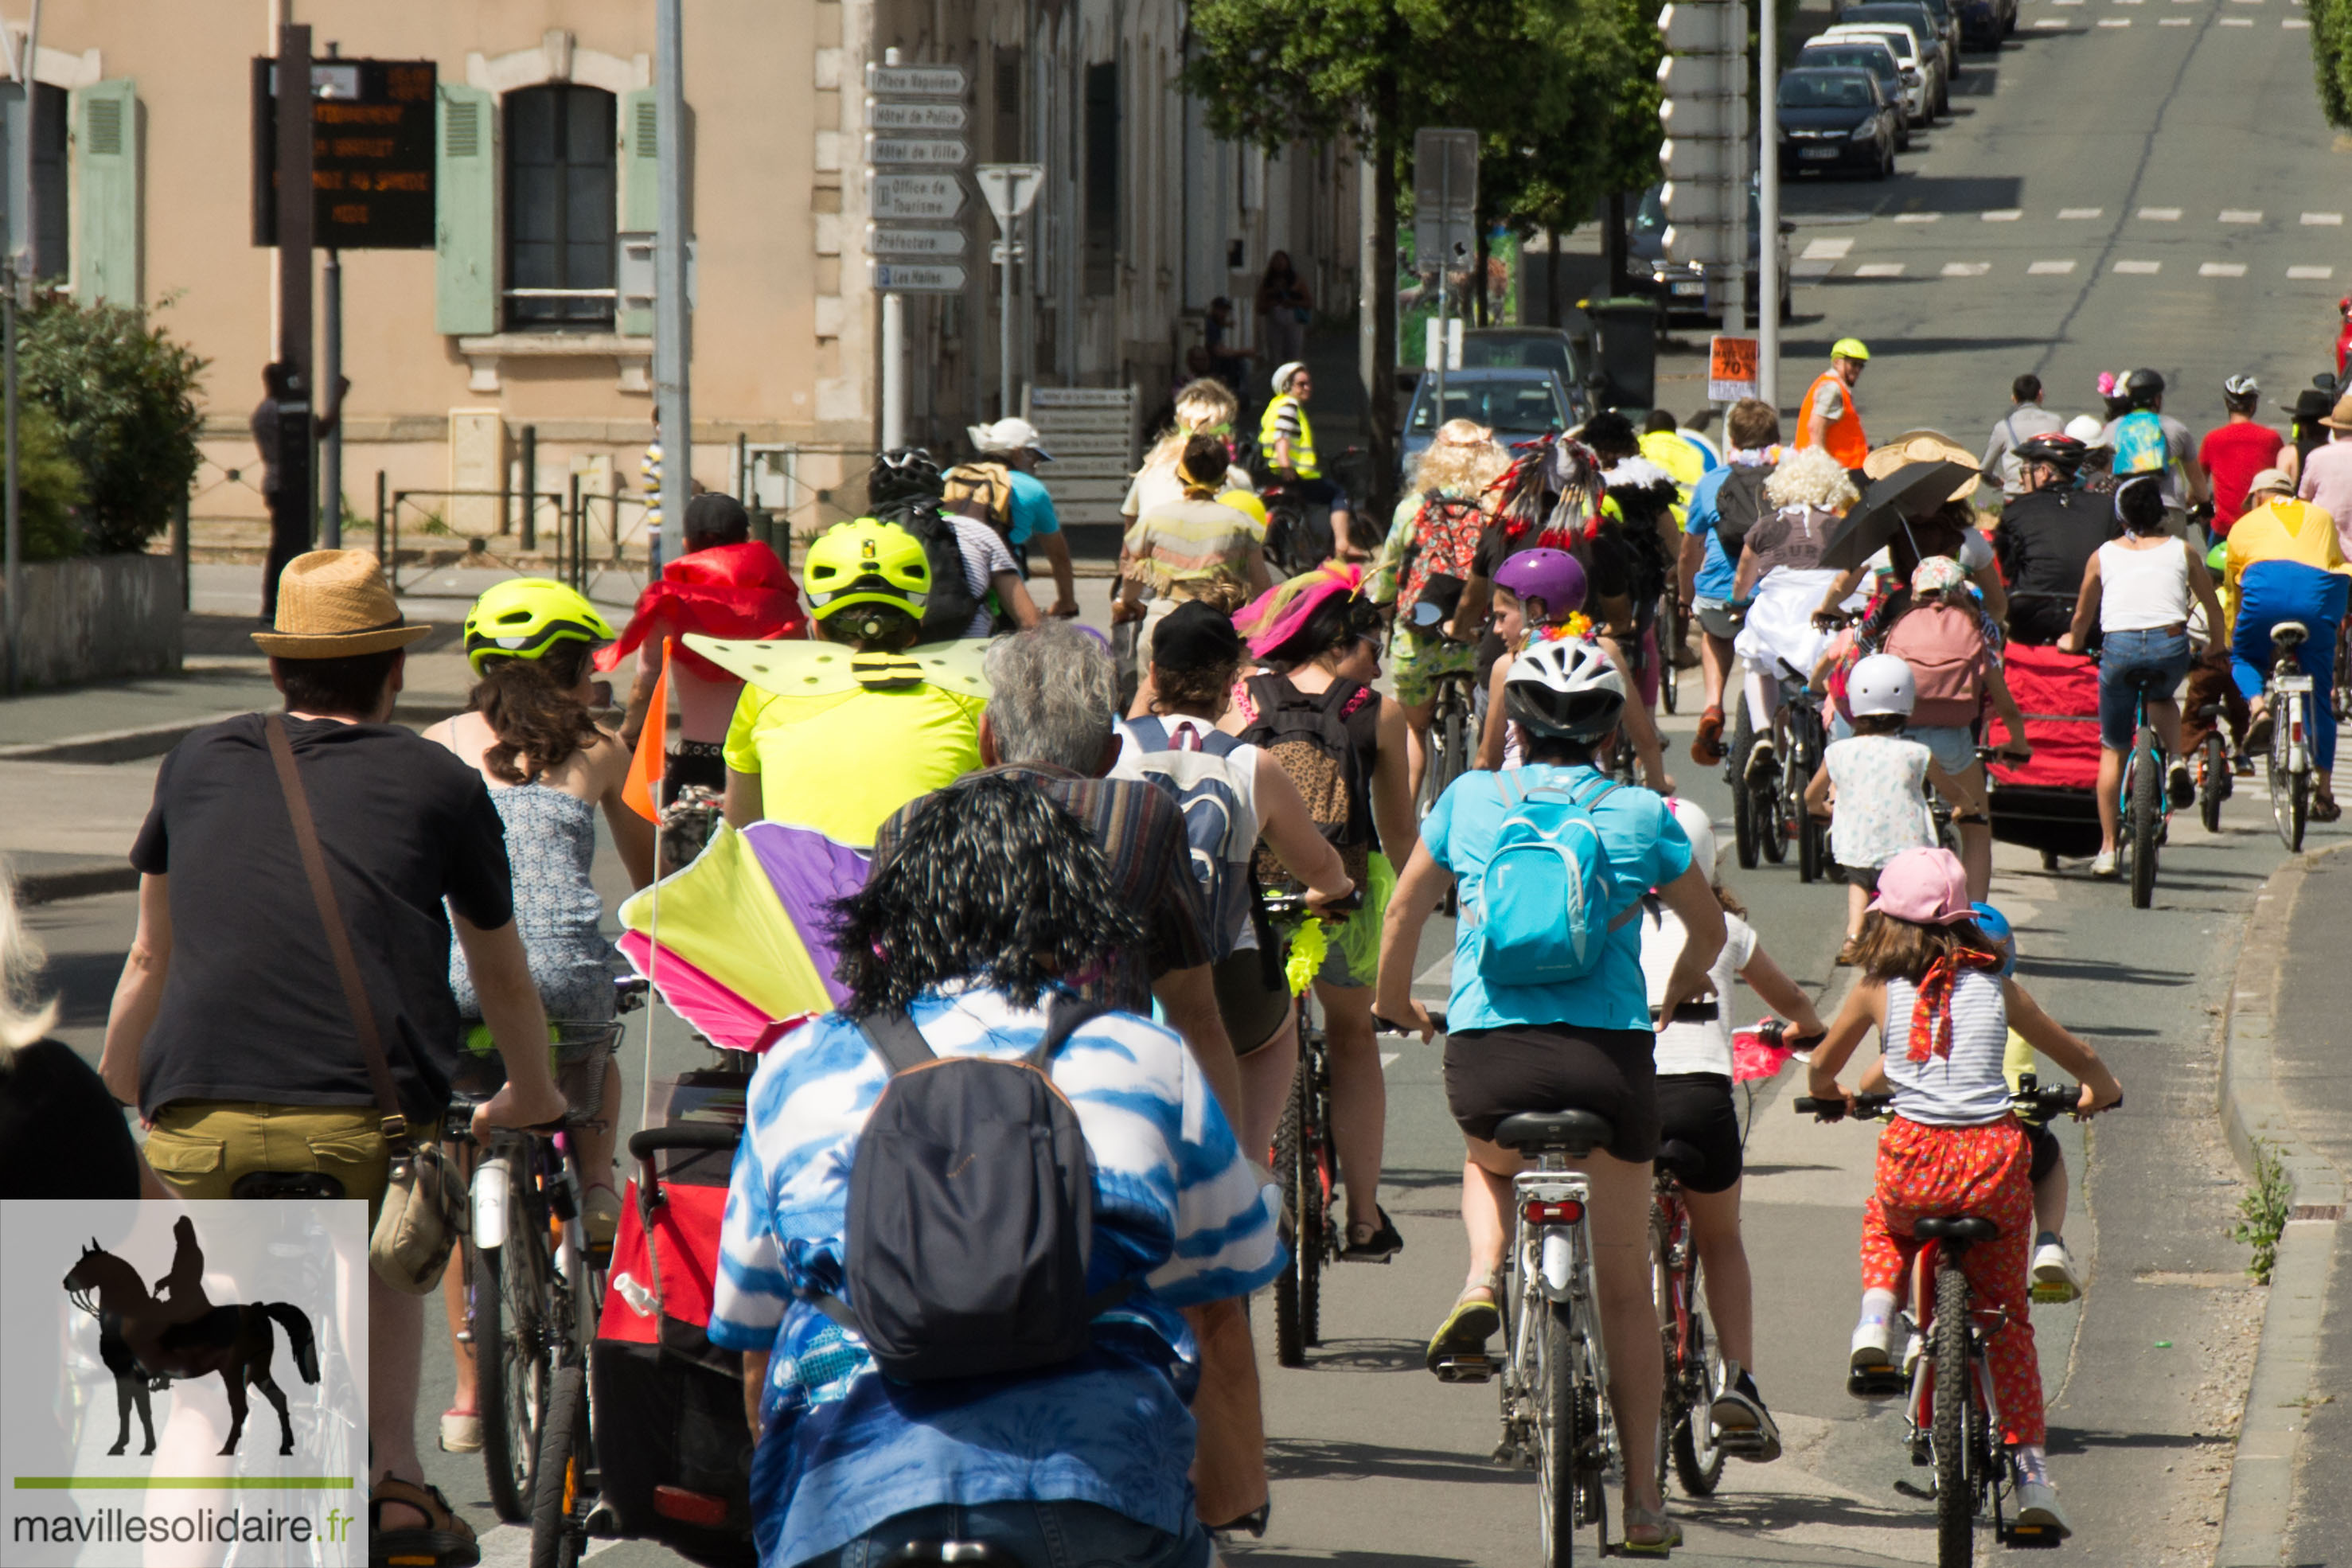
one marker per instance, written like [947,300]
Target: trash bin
[1628,356]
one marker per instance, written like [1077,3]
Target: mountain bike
[2146,807]
[2214,780]
[1801,758]
[1693,1362]
[1952,1420]
[1759,831]
[1307,1165]
[2290,692]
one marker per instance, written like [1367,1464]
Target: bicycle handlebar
[1295,907]
[2031,1100]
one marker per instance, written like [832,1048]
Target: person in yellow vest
[1287,441]
[1829,418]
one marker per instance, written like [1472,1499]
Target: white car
[1922,65]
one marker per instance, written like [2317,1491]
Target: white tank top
[1967,1088]
[2143,590]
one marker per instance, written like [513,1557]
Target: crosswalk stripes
[2223,270]
[2311,274]
[2140,268]
[2051,268]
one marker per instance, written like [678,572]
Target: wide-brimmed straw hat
[334,604]
[2342,418]
[1920,446]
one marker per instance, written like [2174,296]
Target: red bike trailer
[2051,802]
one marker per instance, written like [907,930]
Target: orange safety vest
[1844,439]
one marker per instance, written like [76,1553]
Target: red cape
[740,592]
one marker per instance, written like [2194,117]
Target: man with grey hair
[1050,721]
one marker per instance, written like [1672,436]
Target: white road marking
[2311,274]
[2004,214]
[2327,220]
[2298,24]
[2237,21]
[2140,268]
[2076,215]
[1827,250]
[2115,21]
[2172,21]
[1810,271]
[1880,269]
[1916,218]
[1387,1057]
[2052,21]
[2240,215]
[2160,215]
[1967,268]
[2051,268]
[2223,270]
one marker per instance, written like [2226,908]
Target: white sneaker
[2103,864]
[2055,1278]
[2038,1510]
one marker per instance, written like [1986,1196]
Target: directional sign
[916,197]
[918,81]
[1446,196]
[889,114]
[1010,188]
[931,152]
[897,277]
[914,241]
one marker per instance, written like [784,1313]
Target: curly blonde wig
[1811,477]
[1200,405]
[1462,461]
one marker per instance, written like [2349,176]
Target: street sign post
[1445,219]
[911,242]
[925,198]
[916,81]
[930,151]
[889,114]
[911,115]
[918,278]
[1008,189]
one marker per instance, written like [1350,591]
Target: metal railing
[573,531]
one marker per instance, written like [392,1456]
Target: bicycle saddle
[1955,1228]
[1570,1131]
[1679,1159]
[2290,634]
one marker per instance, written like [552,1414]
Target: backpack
[1540,907]
[1445,535]
[982,490]
[1308,738]
[1740,505]
[1220,816]
[2140,445]
[1945,646]
[970,1218]
[952,607]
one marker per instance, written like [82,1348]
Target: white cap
[1011,435]
[1284,372]
[1699,829]
[2087,428]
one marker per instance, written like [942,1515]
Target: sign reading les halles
[370,153]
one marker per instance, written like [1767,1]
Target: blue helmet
[1996,926]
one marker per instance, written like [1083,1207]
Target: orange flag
[642,789]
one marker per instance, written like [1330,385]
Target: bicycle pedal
[1883,1383]
[2031,1538]
[1746,1441]
[2052,1295]
[1464,1368]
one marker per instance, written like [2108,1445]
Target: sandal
[2325,809]
[1707,746]
[1670,1534]
[1379,1245]
[1474,1320]
[1252,1525]
[443,1541]
[1849,953]
[461,1431]
[600,1215]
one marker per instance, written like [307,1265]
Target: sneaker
[1474,1320]
[2242,766]
[2039,1513]
[2181,786]
[1744,1426]
[2055,1278]
[1763,761]
[2103,864]
[1871,1361]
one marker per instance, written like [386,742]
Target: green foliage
[2262,1211]
[2331,56]
[124,394]
[51,486]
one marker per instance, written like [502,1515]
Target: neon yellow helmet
[1247,504]
[1850,348]
[525,616]
[868,561]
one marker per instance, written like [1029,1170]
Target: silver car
[1922,65]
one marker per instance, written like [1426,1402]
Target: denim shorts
[1954,746]
[2128,661]
[1039,1534]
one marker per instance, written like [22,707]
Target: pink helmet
[1551,576]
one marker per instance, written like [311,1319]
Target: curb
[2270,1434]
[75,882]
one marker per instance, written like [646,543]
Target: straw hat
[1920,446]
[2342,418]
[333,604]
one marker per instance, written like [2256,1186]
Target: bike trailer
[2051,803]
[671,1441]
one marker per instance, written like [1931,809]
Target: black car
[1835,118]
[1681,285]
[1876,59]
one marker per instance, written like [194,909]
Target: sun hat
[2270,479]
[1926,886]
[1284,372]
[2342,418]
[334,604]
[1006,435]
[2087,428]
[1920,446]
[1936,574]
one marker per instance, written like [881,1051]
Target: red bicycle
[1687,1426]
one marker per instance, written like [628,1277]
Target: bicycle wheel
[1699,1457]
[1771,822]
[1811,860]
[1557,1434]
[559,1494]
[2142,800]
[511,1354]
[1955,1510]
[2290,787]
[1298,1288]
[1744,827]
[2215,784]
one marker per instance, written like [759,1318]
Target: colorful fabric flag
[642,789]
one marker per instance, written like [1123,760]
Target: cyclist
[1629,557]
[1725,503]
[2236,452]
[2285,563]
[1583,1045]
[1539,595]
[1285,442]
[1317,641]
[2047,536]
[2004,449]
[1203,407]
[1781,580]
[1879,777]
[2140,587]
[1197,547]
[1695,1108]
[2324,478]
[1012,445]
[843,763]
[1931,987]
[2147,440]
[906,487]
[549,767]
[1828,418]
[1432,556]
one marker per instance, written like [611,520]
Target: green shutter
[640,184]
[104,120]
[466,230]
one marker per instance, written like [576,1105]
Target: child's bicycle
[1693,1362]
[1952,1417]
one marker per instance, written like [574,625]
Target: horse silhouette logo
[148,1341]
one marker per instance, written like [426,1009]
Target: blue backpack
[1543,899]
[2140,445]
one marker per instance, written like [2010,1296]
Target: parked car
[1922,65]
[1835,118]
[1985,23]
[1681,285]
[1876,56]
[1518,403]
[1921,19]
[1543,348]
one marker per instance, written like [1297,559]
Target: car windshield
[1824,90]
[1538,351]
[1853,56]
[1519,407]
[1896,39]
[1918,16]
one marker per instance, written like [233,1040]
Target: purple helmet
[1551,576]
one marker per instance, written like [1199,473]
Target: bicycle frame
[1925,1267]
[1553,1261]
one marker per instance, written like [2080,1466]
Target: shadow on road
[1311,1459]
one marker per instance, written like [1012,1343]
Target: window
[1008,103]
[561,219]
[1101,193]
[52,236]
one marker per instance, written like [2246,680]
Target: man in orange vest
[1828,418]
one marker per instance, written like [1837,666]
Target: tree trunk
[1388,110]
[1482,262]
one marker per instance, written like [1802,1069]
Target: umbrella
[1872,525]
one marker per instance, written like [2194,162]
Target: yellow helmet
[1850,348]
[524,617]
[1247,504]
[868,561]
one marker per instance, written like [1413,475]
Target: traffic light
[1703,111]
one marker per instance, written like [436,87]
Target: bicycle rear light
[690,1508]
[1539,1211]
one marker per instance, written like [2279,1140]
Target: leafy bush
[124,396]
[2263,1210]
[52,486]
[2331,56]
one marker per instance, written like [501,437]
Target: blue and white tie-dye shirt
[1177,1209]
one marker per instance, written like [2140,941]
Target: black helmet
[2143,387]
[2061,452]
[904,475]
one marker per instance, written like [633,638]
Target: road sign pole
[673,351]
[893,371]
[1768,205]
[330,401]
[1735,296]
[1009,188]
[1005,322]
[296,486]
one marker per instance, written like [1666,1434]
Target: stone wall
[98,617]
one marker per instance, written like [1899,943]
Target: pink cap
[1925,886]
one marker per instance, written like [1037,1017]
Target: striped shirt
[1176,1209]
[1968,1088]
[1190,549]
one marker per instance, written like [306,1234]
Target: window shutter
[466,271]
[640,184]
[104,118]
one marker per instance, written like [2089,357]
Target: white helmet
[1567,688]
[1284,372]
[1881,684]
[1699,829]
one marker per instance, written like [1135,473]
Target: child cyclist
[1931,986]
[1540,593]
[1695,1107]
[1879,775]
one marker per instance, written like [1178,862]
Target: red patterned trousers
[1926,1171]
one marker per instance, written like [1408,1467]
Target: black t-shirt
[61,1134]
[2045,540]
[252,1009]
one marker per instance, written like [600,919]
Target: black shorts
[1695,1109]
[1253,1011]
[2047,1156]
[693,762]
[1716,621]
[1494,1074]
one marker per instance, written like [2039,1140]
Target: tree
[2331,54]
[124,396]
[48,485]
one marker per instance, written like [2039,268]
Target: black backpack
[1740,505]
[952,607]
[971,1212]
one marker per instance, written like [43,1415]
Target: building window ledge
[633,356]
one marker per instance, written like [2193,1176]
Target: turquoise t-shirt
[1032,509]
[1646,850]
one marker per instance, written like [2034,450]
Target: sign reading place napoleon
[370,153]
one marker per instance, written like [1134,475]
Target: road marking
[2075,215]
[1387,1057]
[2140,268]
[2051,268]
[1827,250]
[2058,22]
[2115,21]
[2237,21]
[1916,218]
[2160,215]
[1879,269]
[2172,21]
[2297,23]
[1967,268]
[2223,270]
[1810,271]
[2323,220]
[2004,214]
[2240,215]
[2311,274]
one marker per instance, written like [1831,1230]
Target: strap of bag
[896,1041]
[1067,1016]
[339,936]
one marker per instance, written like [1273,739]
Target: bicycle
[1452,728]
[1952,1418]
[687,823]
[2215,783]
[2290,767]
[2145,806]
[1800,757]
[1693,1362]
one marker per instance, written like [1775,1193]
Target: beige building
[546,131]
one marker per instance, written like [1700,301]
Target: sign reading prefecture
[190,1376]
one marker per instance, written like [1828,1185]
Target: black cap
[1195,636]
[712,515]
